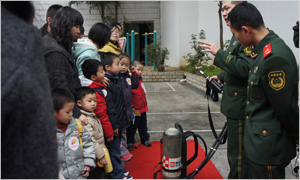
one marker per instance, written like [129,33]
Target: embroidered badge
[104,92]
[73,143]
[267,50]
[128,81]
[277,79]
[248,50]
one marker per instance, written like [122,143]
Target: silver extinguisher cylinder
[171,161]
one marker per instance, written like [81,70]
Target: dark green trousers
[257,171]
[237,160]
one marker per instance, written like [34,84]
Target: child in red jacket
[93,70]
[139,103]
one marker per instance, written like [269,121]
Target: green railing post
[154,41]
[146,44]
[127,43]
[132,45]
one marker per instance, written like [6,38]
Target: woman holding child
[98,36]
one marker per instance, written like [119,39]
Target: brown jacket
[95,129]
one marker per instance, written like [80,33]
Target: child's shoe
[136,145]
[147,143]
[129,146]
[126,173]
[126,157]
[128,177]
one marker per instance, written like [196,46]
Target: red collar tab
[267,50]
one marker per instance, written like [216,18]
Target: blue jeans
[115,153]
[140,124]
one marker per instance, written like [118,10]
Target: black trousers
[140,123]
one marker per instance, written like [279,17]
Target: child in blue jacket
[116,112]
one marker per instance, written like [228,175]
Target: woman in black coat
[62,72]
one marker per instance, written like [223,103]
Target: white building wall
[179,21]
[189,14]
[170,31]
[279,16]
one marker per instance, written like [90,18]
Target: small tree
[200,57]
[101,6]
[226,45]
[157,55]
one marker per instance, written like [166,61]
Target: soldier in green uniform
[272,112]
[235,62]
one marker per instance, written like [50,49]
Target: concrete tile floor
[171,102]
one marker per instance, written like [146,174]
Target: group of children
[114,111]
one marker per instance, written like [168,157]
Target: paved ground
[171,102]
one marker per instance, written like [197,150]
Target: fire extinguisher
[173,147]
[171,160]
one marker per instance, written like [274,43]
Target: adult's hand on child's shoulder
[105,81]
[110,139]
[86,171]
[83,119]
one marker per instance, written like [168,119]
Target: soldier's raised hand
[209,47]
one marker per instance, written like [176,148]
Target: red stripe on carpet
[146,158]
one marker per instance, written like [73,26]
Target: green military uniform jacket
[235,63]
[272,114]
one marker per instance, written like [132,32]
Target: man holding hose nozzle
[235,62]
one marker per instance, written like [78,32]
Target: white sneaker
[128,177]
[126,173]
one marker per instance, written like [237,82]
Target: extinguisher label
[171,163]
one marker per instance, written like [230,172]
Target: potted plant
[157,55]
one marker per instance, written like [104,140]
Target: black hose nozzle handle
[214,83]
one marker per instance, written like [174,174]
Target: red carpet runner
[146,158]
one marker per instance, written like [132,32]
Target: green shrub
[199,58]
[208,70]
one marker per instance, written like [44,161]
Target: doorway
[139,39]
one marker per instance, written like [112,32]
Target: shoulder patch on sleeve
[277,79]
[248,50]
[267,50]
